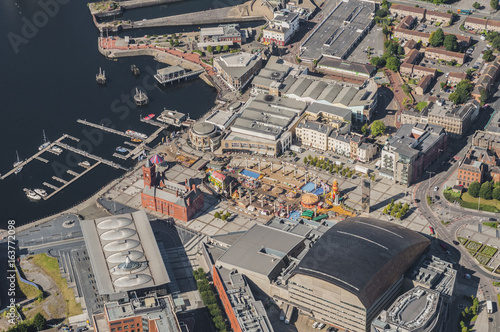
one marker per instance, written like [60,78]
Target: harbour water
[49,59]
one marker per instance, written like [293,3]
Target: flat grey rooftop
[261,249]
[340,30]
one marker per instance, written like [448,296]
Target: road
[447,232]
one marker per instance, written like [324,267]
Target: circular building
[355,270]
[204,136]
[309,200]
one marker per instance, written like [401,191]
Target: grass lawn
[51,267]
[489,251]
[29,291]
[474,246]
[420,106]
[490,224]
[482,259]
[492,202]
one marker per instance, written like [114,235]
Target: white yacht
[45,142]
[32,195]
[40,192]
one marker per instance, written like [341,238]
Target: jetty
[107,129]
[174,74]
[36,156]
[91,156]
[140,98]
[101,77]
[112,8]
[246,12]
[66,183]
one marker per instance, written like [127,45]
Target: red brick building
[470,171]
[170,198]
[155,314]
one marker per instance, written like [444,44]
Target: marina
[108,129]
[20,164]
[67,183]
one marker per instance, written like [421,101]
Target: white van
[315,325]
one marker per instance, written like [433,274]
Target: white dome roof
[120,257]
[132,280]
[114,223]
[121,245]
[118,234]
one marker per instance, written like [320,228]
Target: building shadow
[386,201]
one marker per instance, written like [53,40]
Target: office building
[281,29]
[407,154]
[237,69]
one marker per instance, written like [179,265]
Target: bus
[432,230]
[489,307]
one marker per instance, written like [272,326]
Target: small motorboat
[84,163]
[32,195]
[40,192]
[149,117]
[56,149]
[121,149]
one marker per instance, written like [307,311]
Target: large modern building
[344,278]
[418,310]
[270,78]
[143,314]
[124,256]
[360,101]
[237,69]
[456,120]
[265,126]
[354,270]
[244,313]
[340,32]
[181,201]
[346,69]
[282,28]
[406,155]
[224,34]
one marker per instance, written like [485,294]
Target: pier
[235,14]
[37,155]
[91,156]
[67,183]
[104,128]
[164,77]
[43,160]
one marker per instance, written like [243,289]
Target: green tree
[385,4]
[476,5]
[218,48]
[171,41]
[484,97]
[226,48]
[494,4]
[486,190]
[462,92]
[474,188]
[305,160]
[495,43]
[217,215]
[378,128]
[393,63]
[450,43]
[385,30]
[496,193]
[437,38]
[39,321]
[210,49]
[364,129]
[488,56]
[377,62]
[176,42]
[224,217]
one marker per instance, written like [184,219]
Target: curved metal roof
[117,234]
[364,256]
[120,257]
[132,280]
[113,223]
[121,245]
